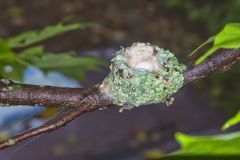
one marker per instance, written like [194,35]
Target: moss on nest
[143,74]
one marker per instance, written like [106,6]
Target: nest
[143,74]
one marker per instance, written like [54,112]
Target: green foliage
[66,63]
[209,40]
[31,37]
[6,53]
[225,144]
[232,121]
[229,37]
[224,91]
[210,17]
[12,64]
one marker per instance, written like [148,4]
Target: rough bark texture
[221,61]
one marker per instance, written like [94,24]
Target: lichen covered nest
[143,74]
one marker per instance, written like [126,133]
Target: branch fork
[81,101]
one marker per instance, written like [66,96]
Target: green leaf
[24,57]
[16,72]
[28,38]
[9,68]
[6,54]
[209,40]
[34,51]
[12,64]
[232,121]
[225,144]
[67,63]
[228,38]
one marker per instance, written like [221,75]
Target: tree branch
[221,61]
[87,100]
[91,102]
[21,94]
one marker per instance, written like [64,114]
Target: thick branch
[47,96]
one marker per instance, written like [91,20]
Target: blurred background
[141,133]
